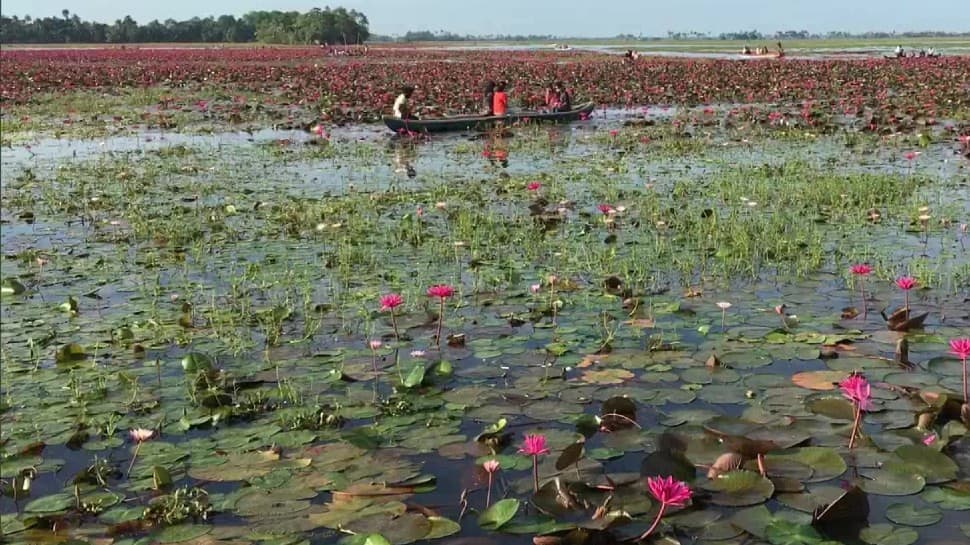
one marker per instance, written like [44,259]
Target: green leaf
[498,514]
[912,515]
[933,465]
[887,534]
[415,377]
[948,498]
[55,503]
[442,527]
[376,539]
[740,489]
[783,532]
[891,483]
[12,286]
[182,532]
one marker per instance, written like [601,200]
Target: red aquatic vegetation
[880,95]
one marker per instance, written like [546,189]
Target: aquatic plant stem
[441,318]
[133,457]
[656,522]
[488,494]
[865,306]
[535,473]
[965,398]
[397,336]
[906,294]
[855,426]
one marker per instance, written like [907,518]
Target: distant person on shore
[402,105]
[489,98]
[500,100]
[900,53]
[781,50]
[746,50]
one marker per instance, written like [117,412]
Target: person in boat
[500,100]
[489,96]
[746,50]
[900,53]
[551,100]
[781,50]
[563,98]
[402,104]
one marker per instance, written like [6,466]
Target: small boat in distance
[462,123]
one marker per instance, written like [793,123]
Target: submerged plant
[534,446]
[670,493]
[861,271]
[856,389]
[442,292]
[961,349]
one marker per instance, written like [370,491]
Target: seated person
[565,101]
[489,97]
[500,100]
[402,105]
[552,98]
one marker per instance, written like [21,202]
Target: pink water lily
[862,270]
[442,292]
[139,436]
[670,493]
[856,389]
[490,467]
[961,349]
[388,303]
[906,283]
[534,445]
[533,186]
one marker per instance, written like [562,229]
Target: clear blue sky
[560,17]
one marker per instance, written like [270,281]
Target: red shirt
[500,103]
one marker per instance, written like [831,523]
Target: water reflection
[496,149]
[405,154]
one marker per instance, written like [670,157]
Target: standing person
[402,105]
[500,101]
[489,97]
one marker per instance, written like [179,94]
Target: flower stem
[441,318]
[865,306]
[965,398]
[488,495]
[133,457]
[907,305]
[855,426]
[656,522]
[535,473]
[397,335]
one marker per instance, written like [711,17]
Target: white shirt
[401,101]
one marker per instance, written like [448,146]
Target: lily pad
[887,534]
[913,515]
[182,532]
[932,464]
[948,498]
[48,505]
[500,513]
[891,483]
[739,489]
[825,462]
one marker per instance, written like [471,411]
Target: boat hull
[465,123]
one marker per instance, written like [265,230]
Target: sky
[577,18]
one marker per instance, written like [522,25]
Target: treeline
[753,35]
[444,36]
[334,26]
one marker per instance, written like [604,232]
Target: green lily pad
[740,489]
[442,527]
[948,498]
[913,515]
[500,513]
[887,534]
[891,483]
[753,520]
[783,532]
[48,505]
[376,539]
[825,462]
[182,532]
[932,464]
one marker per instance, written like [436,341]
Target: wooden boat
[462,123]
